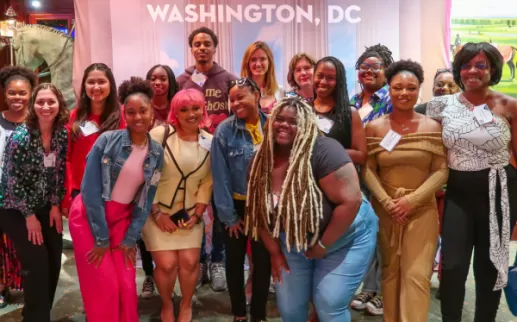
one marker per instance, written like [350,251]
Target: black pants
[466,226]
[235,254]
[40,264]
[147,259]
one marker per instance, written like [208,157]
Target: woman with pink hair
[174,231]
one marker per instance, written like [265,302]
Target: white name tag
[483,114]
[390,140]
[365,111]
[49,160]
[198,78]
[324,124]
[89,128]
[205,143]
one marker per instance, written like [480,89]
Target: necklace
[143,146]
[405,128]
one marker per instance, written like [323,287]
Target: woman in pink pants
[122,172]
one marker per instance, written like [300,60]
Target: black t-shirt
[328,155]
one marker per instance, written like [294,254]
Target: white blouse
[474,147]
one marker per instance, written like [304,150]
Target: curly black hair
[203,30]
[380,51]
[135,85]
[405,66]
[173,85]
[471,50]
[10,73]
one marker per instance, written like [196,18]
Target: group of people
[322,192]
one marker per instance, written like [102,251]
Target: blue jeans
[332,281]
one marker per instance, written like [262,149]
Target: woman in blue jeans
[305,203]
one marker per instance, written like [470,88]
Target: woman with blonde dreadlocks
[305,204]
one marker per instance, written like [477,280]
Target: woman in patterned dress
[31,191]
[17,83]
[479,130]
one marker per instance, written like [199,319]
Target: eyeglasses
[363,67]
[478,66]
[243,82]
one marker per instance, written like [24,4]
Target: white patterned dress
[474,147]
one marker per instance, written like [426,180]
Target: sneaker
[203,275]
[218,277]
[375,306]
[360,300]
[148,288]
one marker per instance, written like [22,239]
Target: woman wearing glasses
[479,130]
[374,99]
[372,102]
[443,84]
[233,145]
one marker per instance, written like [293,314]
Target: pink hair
[187,97]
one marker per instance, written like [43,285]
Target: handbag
[511,288]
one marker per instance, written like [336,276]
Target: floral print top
[26,183]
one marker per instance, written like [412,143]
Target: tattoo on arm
[345,173]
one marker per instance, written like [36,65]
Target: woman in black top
[17,83]
[336,118]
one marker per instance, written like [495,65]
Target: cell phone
[179,216]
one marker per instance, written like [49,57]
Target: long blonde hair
[300,205]
[271,83]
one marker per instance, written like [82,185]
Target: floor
[209,306]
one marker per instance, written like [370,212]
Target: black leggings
[466,226]
[147,259]
[41,264]
[235,253]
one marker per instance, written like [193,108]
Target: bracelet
[321,244]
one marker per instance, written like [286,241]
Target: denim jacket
[232,149]
[103,165]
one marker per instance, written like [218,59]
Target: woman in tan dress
[174,231]
[406,165]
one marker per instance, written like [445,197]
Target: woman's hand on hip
[56,219]
[34,230]
[96,255]
[236,229]
[165,223]
[278,263]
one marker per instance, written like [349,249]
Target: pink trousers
[108,291]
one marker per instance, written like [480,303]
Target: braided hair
[380,51]
[300,204]
[342,109]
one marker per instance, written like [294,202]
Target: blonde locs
[300,205]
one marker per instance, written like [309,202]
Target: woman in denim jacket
[233,145]
[122,172]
